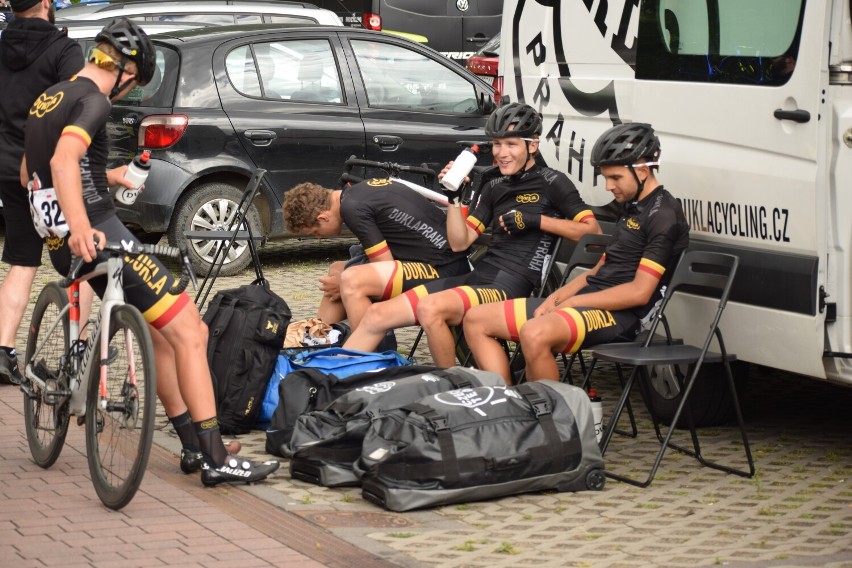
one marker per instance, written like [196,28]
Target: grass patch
[402,534]
[506,548]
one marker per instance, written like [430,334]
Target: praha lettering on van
[737,219]
[620,40]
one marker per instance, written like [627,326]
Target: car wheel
[211,207]
[710,401]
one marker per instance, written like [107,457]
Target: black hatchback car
[295,101]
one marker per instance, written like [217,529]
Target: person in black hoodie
[33,56]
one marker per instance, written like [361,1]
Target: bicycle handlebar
[391,168]
[132,248]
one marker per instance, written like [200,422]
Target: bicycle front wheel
[46,403]
[120,408]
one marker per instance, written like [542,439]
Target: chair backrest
[704,273]
[584,253]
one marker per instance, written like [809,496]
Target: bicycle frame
[81,366]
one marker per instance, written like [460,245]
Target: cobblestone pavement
[797,511]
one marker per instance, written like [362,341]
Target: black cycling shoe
[9,372]
[190,461]
[236,470]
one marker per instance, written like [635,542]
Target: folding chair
[708,274]
[238,229]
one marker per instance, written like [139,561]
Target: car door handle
[796,115]
[387,142]
[260,137]
[477,39]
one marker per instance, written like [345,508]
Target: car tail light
[161,130]
[372,21]
[498,88]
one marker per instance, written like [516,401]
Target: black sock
[186,431]
[10,351]
[210,440]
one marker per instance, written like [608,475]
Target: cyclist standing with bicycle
[524,205]
[65,155]
[403,236]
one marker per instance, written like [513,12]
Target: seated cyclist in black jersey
[66,149]
[402,233]
[525,206]
[609,302]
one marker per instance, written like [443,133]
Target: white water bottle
[461,168]
[597,413]
[137,173]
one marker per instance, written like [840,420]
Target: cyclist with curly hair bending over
[66,147]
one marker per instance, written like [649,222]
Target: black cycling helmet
[133,44]
[625,144]
[524,118]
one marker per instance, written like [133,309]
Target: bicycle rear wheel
[46,407]
[120,409]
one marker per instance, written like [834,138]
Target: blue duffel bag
[337,361]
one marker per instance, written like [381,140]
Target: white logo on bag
[430,378]
[377,388]
[470,398]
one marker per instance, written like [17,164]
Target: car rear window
[160,91]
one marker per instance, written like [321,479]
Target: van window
[399,78]
[719,41]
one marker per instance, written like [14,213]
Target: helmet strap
[640,184]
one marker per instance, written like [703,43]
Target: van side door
[736,91]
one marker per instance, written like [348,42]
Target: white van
[752,100]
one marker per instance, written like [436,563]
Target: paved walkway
[796,512]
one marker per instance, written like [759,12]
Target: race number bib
[48,219]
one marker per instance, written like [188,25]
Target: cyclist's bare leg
[482,325]
[331,309]
[168,390]
[378,320]
[14,297]
[187,335]
[358,284]
[87,296]
[541,337]
[436,313]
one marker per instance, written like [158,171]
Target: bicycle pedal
[28,391]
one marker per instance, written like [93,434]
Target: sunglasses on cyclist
[104,60]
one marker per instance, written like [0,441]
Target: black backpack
[311,389]
[247,328]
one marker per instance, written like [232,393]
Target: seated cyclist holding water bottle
[524,205]
[66,148]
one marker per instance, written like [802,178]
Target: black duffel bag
[308,389]
[327,442]
[482,443]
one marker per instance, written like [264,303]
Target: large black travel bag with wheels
[327,442]
[246,330]
[308,389]
[473,444]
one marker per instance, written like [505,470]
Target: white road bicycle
[108,381]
